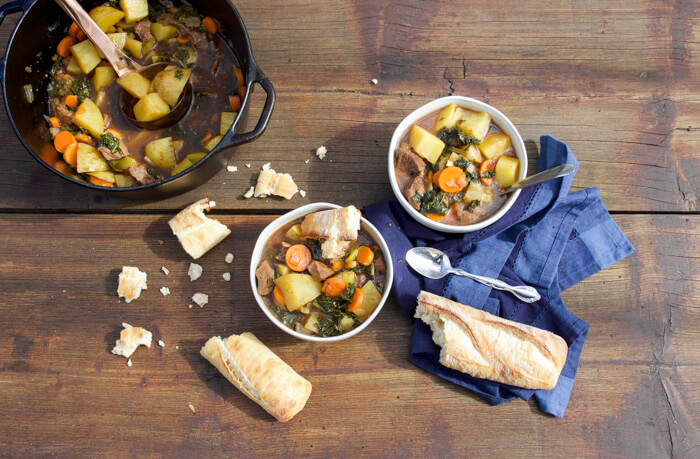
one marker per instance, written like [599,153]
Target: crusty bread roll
[257,372]
[196,232]
[485,346]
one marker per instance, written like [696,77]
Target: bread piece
[485,346]
[131,338]
[257,372]
[131,282]
[337,226]
[196,232]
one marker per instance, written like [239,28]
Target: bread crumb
[321,152]
[226,276]
[177,347]
[160,242]
[128,363]
[161,343]
[195,271]
[307,161]
[248,166]
[201,299]
[231,168]
[165,270]
[266,167]
[229,258]
[131,282]
[190,306]
[375,81]
[249,194]
[302,193]
[165,291]
[131,338]
[191,407]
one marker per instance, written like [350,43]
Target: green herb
[123,105]
[186,10]
[473,205]
[367,270]
[57,65]
[152,173]
[179,74]
[286,317]
[155,10]
[488,174]
[109,141]
[456,137]
[468,168]
[336,309]
[177,129]
[81,88]
[162,57]
[326,326]
[112,3]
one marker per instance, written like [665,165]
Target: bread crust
[489,347]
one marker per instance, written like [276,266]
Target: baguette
[489,347]
[259,373]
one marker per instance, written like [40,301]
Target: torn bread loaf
[338,227]
[131,282]
[270,182]
[257,372]
[196,232]
[485,346]
[131,338]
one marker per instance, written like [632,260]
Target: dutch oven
[31,46]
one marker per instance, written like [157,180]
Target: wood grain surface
[617,81]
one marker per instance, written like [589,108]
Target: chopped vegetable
[356,302]
[365,255]
[63,48]
[63,140]
[210,25]
[298,257]
[486,171]
[333,287]
[452,179]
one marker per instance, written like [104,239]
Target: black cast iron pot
[43,24]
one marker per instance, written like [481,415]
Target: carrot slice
[277,293]
[71,154]
[63,48]
[357,300]
[62,140]
[452,179]
[241,81]
[235,102]
[333,287]
[436,217]
[365,256]
[488,165]
[210,25]
[73,30]
[84,138]
[337,264]
[80,36]
[298,257]
[100,182]
[182,39]
[54,122]
[434,179]
[72,100]
[351,264]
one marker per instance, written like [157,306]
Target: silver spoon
[434,264]
[124,65]
[549,174]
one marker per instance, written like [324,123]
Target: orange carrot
[71,154]
[351,264]
[277,293]
[72,100]
[206,137]
[84,138]
[114,133]
[80,36]
[210,25]
[172,10]
[64,45]
[365,256]
[73,30]
[298,257]
[100,182]
[333,286]
[182,39]
[357,300]
[337,264]
[62,140]
[54,122]
[436,175]
[235,102]
[452,179]
[488,165]
[241,81]
[436,217]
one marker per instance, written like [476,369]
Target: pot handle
[8,8]
[266,84]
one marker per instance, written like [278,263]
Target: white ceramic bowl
[294,215]
[472,104]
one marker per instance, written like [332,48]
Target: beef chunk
[64,114]
[416,186]
[109,155]
[465,216]
[141,175]
[283,251]
[379,265]
[265,274]
[320,270]
[143,30]
[409,163]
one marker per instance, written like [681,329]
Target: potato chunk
[448,117]
[106,17]
[210,144]
[163,31]
[107,176]
[476,124]
[478,192]
[494,145]
[73,68]
[170,83]
[150,107]
[226,121]
[90,160]
[298,289]
[86,55]
[425,144]
[125,181]
[371,299]
[161,153]
[119,39]
[135,47]
[135,84]
[507,170]
[89,117]
[134,10]
[102,77]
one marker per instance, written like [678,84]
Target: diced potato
[347,323]
[294,233]
[124,163]
[163,31]
[102,77]
[453,157]
[312,320]
[226,121]
[177,144]
[283,269]
[478,192]
[298,289]
[134,47]
[371,299]
[148,45]
[119,39]
[106,16]
[107,176]
[89,117]
[507,170]
[425,144]
[475,124]
[90,160]
[473,154]
[86,54]
[181,166]
[125,181]
[134,10]
[348,277]
[161,153]
[448,117]
[150,107]
[210,144]
[135,84]
[195,157]
[73,68]
[494,145]
[169,84]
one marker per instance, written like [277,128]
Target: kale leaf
[109,141]
[488,174]
[286,317]
[473,205]
[456,137]
[468,168]
[336,309]
[81,88]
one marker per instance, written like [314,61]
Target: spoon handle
[523,292]
[549,174]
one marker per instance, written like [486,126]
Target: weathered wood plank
[63,392]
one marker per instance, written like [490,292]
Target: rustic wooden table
[616,81]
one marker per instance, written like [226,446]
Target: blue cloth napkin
[550,239]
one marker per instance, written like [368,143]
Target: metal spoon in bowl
[434,264]
[549,174]
[123,65]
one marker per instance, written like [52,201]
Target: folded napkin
[550,239]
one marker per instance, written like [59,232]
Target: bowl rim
[498,118]
[293,215]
